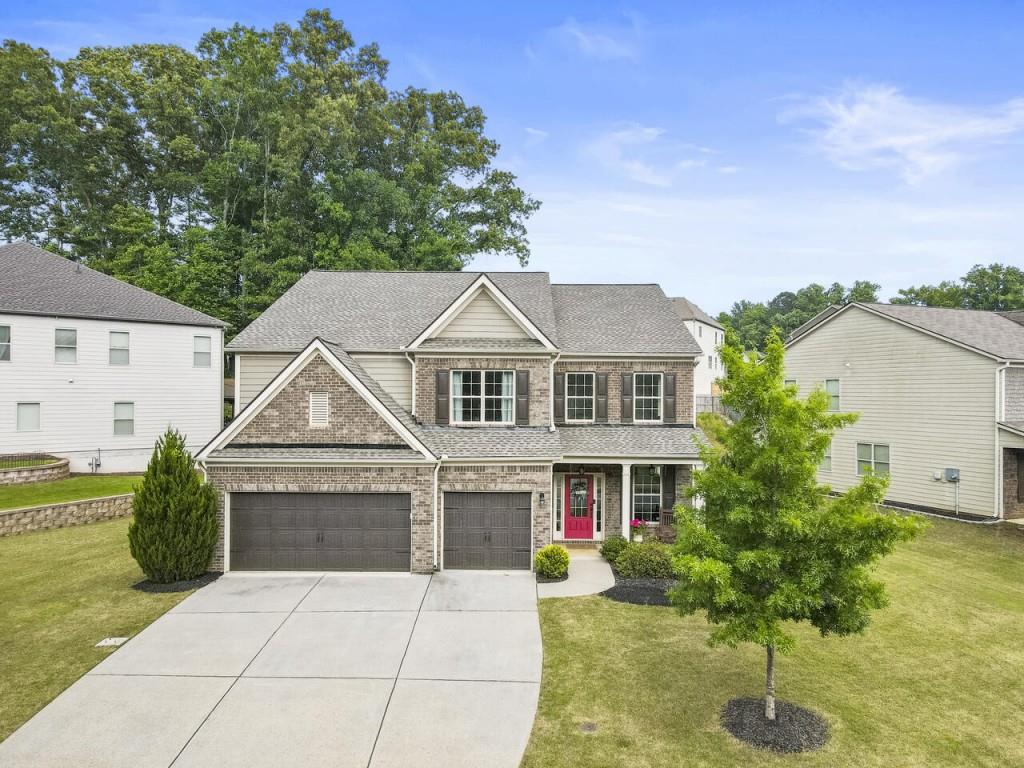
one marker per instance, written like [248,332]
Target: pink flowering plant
[638,528]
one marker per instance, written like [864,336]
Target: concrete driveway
[313,670]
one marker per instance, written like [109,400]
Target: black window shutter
[668,487]
[627,398]
[523,398]
[441,414]
[668,399]
[601,397]
[559,398]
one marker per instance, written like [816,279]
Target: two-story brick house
[395,421]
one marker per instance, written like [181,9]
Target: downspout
[413,364]
[551,392]
[998,465]
[437,468]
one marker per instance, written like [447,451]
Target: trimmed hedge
[612,546]
[646,560]
[552,561]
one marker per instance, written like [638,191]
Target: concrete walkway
[356,670]
[589,573]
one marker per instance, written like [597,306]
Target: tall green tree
[768,547]
[218,176]
[995,287]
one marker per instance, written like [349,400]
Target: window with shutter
[319,409]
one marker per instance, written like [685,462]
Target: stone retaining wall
[56,471]
[14,521]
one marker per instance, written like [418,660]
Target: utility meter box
[951,475]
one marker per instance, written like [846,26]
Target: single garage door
[320,531]
[487,530]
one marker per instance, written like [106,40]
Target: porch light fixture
[542,498]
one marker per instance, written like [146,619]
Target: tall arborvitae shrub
[174,528]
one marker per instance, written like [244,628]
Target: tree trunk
[769,686]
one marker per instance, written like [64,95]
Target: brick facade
[14,521]
[426,382]
[532,478]
[417,481]
[285,419]
[1013,508]
[683,369]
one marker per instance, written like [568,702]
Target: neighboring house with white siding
[94,368]
[936,389]
[710,335]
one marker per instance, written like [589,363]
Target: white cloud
[535,136]
[646,154]
[728,169]
[606,42]
[872,126]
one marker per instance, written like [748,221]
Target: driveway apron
[361,670]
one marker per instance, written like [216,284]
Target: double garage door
[320,531]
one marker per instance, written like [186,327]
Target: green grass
[70,489]
[935,681]
[61,592]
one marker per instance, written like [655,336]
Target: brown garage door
[487,530]
[320,531]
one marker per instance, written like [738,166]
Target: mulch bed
[639,591]
[177,586]
[546,580]
[795,729]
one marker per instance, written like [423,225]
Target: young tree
[174,526]
[769,547]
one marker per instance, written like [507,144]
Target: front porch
[588,498]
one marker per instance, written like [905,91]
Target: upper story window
[319,409]
[872,459]
[647,397]
[826,461]
[200,351]
[124,418]
[832,389]
[28,417]
[119,353]
[483,397]
[5,343]
[789,383]
[579,397]
[711,362]
[65,345]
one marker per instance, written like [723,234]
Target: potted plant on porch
[637,528]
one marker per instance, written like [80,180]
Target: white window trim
[483,397]
[55,347]
[661,397]
[600,497]
[828,455]
[632,493]
[114,420]
[787,382]
[593,397]
[111,348]
[39,409]
[195,351]
[839,384]
[856,459]
[10,343]
[327,403]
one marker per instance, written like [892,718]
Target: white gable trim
[285,377]
[482,282]
[898,321]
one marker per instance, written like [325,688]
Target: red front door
[579,507]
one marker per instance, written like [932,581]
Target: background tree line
[995,287]
[217,177]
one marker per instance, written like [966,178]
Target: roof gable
[687,310]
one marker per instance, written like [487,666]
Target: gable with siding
[482,318]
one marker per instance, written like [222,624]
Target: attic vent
[319,409]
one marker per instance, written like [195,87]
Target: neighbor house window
[872,459]
[832,390]
[200,351]
[482,397]
[700,330]
[5,343]
[579,397]
[124,418]
[825,464]
[28,417]
[789,382]
[647,493]
[119,348]
[319,409]
[65,345]
[711,361]
[647,397]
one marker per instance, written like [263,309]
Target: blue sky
[725,150]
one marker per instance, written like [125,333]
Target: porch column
[626,500]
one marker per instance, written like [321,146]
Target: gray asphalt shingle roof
[445,344]
[487,442]
[687,310]
[368,311]
[37,282]
[322,454]
[997,334]
[625,440]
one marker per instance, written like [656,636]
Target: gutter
[413,364]
[1000,407]
[437,468]
[551,392]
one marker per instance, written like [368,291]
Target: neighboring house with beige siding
[936,389]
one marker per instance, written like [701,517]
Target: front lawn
[70,489]
[936,681]
[61,592]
